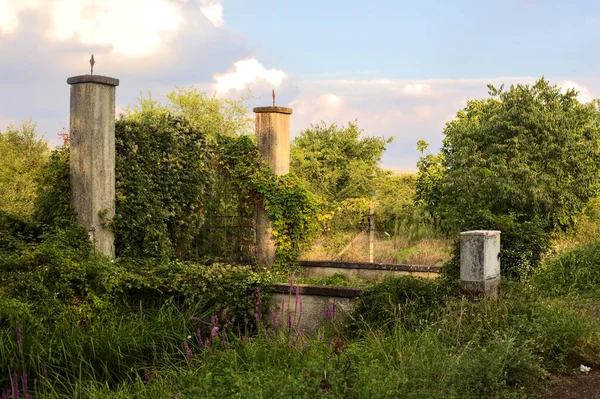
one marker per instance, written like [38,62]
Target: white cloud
[246,73]
[417,89]
[132,27]
[10,10]
[213,10]
[584,93]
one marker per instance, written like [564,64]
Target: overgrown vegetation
[160,323]
[24,156]
[524,161]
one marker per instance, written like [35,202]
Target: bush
[408,300]
[574,272]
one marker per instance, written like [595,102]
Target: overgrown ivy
[292,209]
[160,182]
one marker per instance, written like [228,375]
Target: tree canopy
[24,155]
[336,161]
[524,161]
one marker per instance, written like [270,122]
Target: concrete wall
[315,306]
[92,140]
[366,271]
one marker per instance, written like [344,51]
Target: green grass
[409,337]
[427,343]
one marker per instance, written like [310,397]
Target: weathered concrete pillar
[480,262]
[92,138]
[273,137]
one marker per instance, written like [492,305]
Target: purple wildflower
[207,343]
[275,320]
[233,321]
[146,376]
[251,327]
[6,395]
[289,321]
[224,315]
[188,350]
[304,346]
[214,331]
[291,283]
[199,336]
[256,316]
[45,370]
[15,386]
[19,335]
[194,318]
[223,338]
[25,385]
[282,303]
[213,321]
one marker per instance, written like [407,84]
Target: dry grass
[399,250]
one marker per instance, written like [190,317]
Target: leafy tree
[211,115]
[395,210]
[524,161]
[24,155]
[336,162]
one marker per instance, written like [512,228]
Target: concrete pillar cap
[480,233]
[103,80]
[275,109]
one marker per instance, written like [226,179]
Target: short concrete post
[92,138]
[480,262]
[273,137]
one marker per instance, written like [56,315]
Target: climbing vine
[160,185]
[293,210]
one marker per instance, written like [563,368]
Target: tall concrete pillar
[273,137]
[92,138]
[480,262]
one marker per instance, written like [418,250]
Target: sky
[400,69]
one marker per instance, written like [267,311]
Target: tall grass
[425,342]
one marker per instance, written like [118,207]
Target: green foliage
[428,185]
[336,162]
[160,175]
[395,210]
[456,349]
[524,161]
[53,207]
[217,287]
[292,209]
[24,155]
[573,272]
[212,116]
[406,299]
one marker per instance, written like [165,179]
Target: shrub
[409,300]
[574,272]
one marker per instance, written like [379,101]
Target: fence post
[92,156]
[480,262]
[273,137]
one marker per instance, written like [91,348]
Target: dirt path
[585,386]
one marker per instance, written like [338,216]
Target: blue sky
[399,68]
